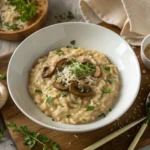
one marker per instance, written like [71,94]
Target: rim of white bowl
[74,130]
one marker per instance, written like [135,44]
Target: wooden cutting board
[78,141]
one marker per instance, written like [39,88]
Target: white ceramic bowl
[144,44]
[86,35]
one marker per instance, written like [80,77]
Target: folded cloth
[131,16]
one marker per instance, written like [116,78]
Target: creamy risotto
[74,85]
[19,14]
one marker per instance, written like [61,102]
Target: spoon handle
[113,135]
[137,137]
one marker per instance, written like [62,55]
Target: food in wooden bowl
[74,85]
[20,18]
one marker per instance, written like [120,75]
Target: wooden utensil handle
[137,137]
[113,135]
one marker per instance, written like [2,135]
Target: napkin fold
[131,16]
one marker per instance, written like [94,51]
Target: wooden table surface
[56,7]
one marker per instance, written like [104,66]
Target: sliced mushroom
[3,95]
[48,71]
[60,64]
[97,72]
[60,86]
[83,91]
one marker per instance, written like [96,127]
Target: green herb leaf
[68,115]
[107,68]
[68,46]
[31,138]
[73,42]
[26,9]
[101,115]
[89,108]
[82,90]
[111,81]
[13,27]
[48,100]
[55,146]
[70,15]
[6,24]
[82,70]
[59,52]
[110,109]
[28,141]
[43,139]
[46,148]
[38,91]
[73,60]
[2,131]
[106,91]
[64,94]
[3,76]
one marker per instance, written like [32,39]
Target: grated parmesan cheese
[66,75]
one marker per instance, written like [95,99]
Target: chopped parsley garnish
[3,76]
[73,42]
[111,81]
[64,94]
[73,60]
[82,90]
[48,99]
[110,109]
[106,91]
[101,115]
[70,15]
[68,46]
[89,108]
[64,17]
[38,91]
[26,9]
[82,70]
[68,115]
[59,52]
[12,26]
[6,24]
[107,68]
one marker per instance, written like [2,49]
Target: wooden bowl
[23,33]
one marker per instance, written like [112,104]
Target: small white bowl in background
[86,35]
[144,44]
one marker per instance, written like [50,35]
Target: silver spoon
[143,127]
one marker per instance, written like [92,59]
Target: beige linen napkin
[131,16]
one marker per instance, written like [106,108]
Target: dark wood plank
[68,141]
